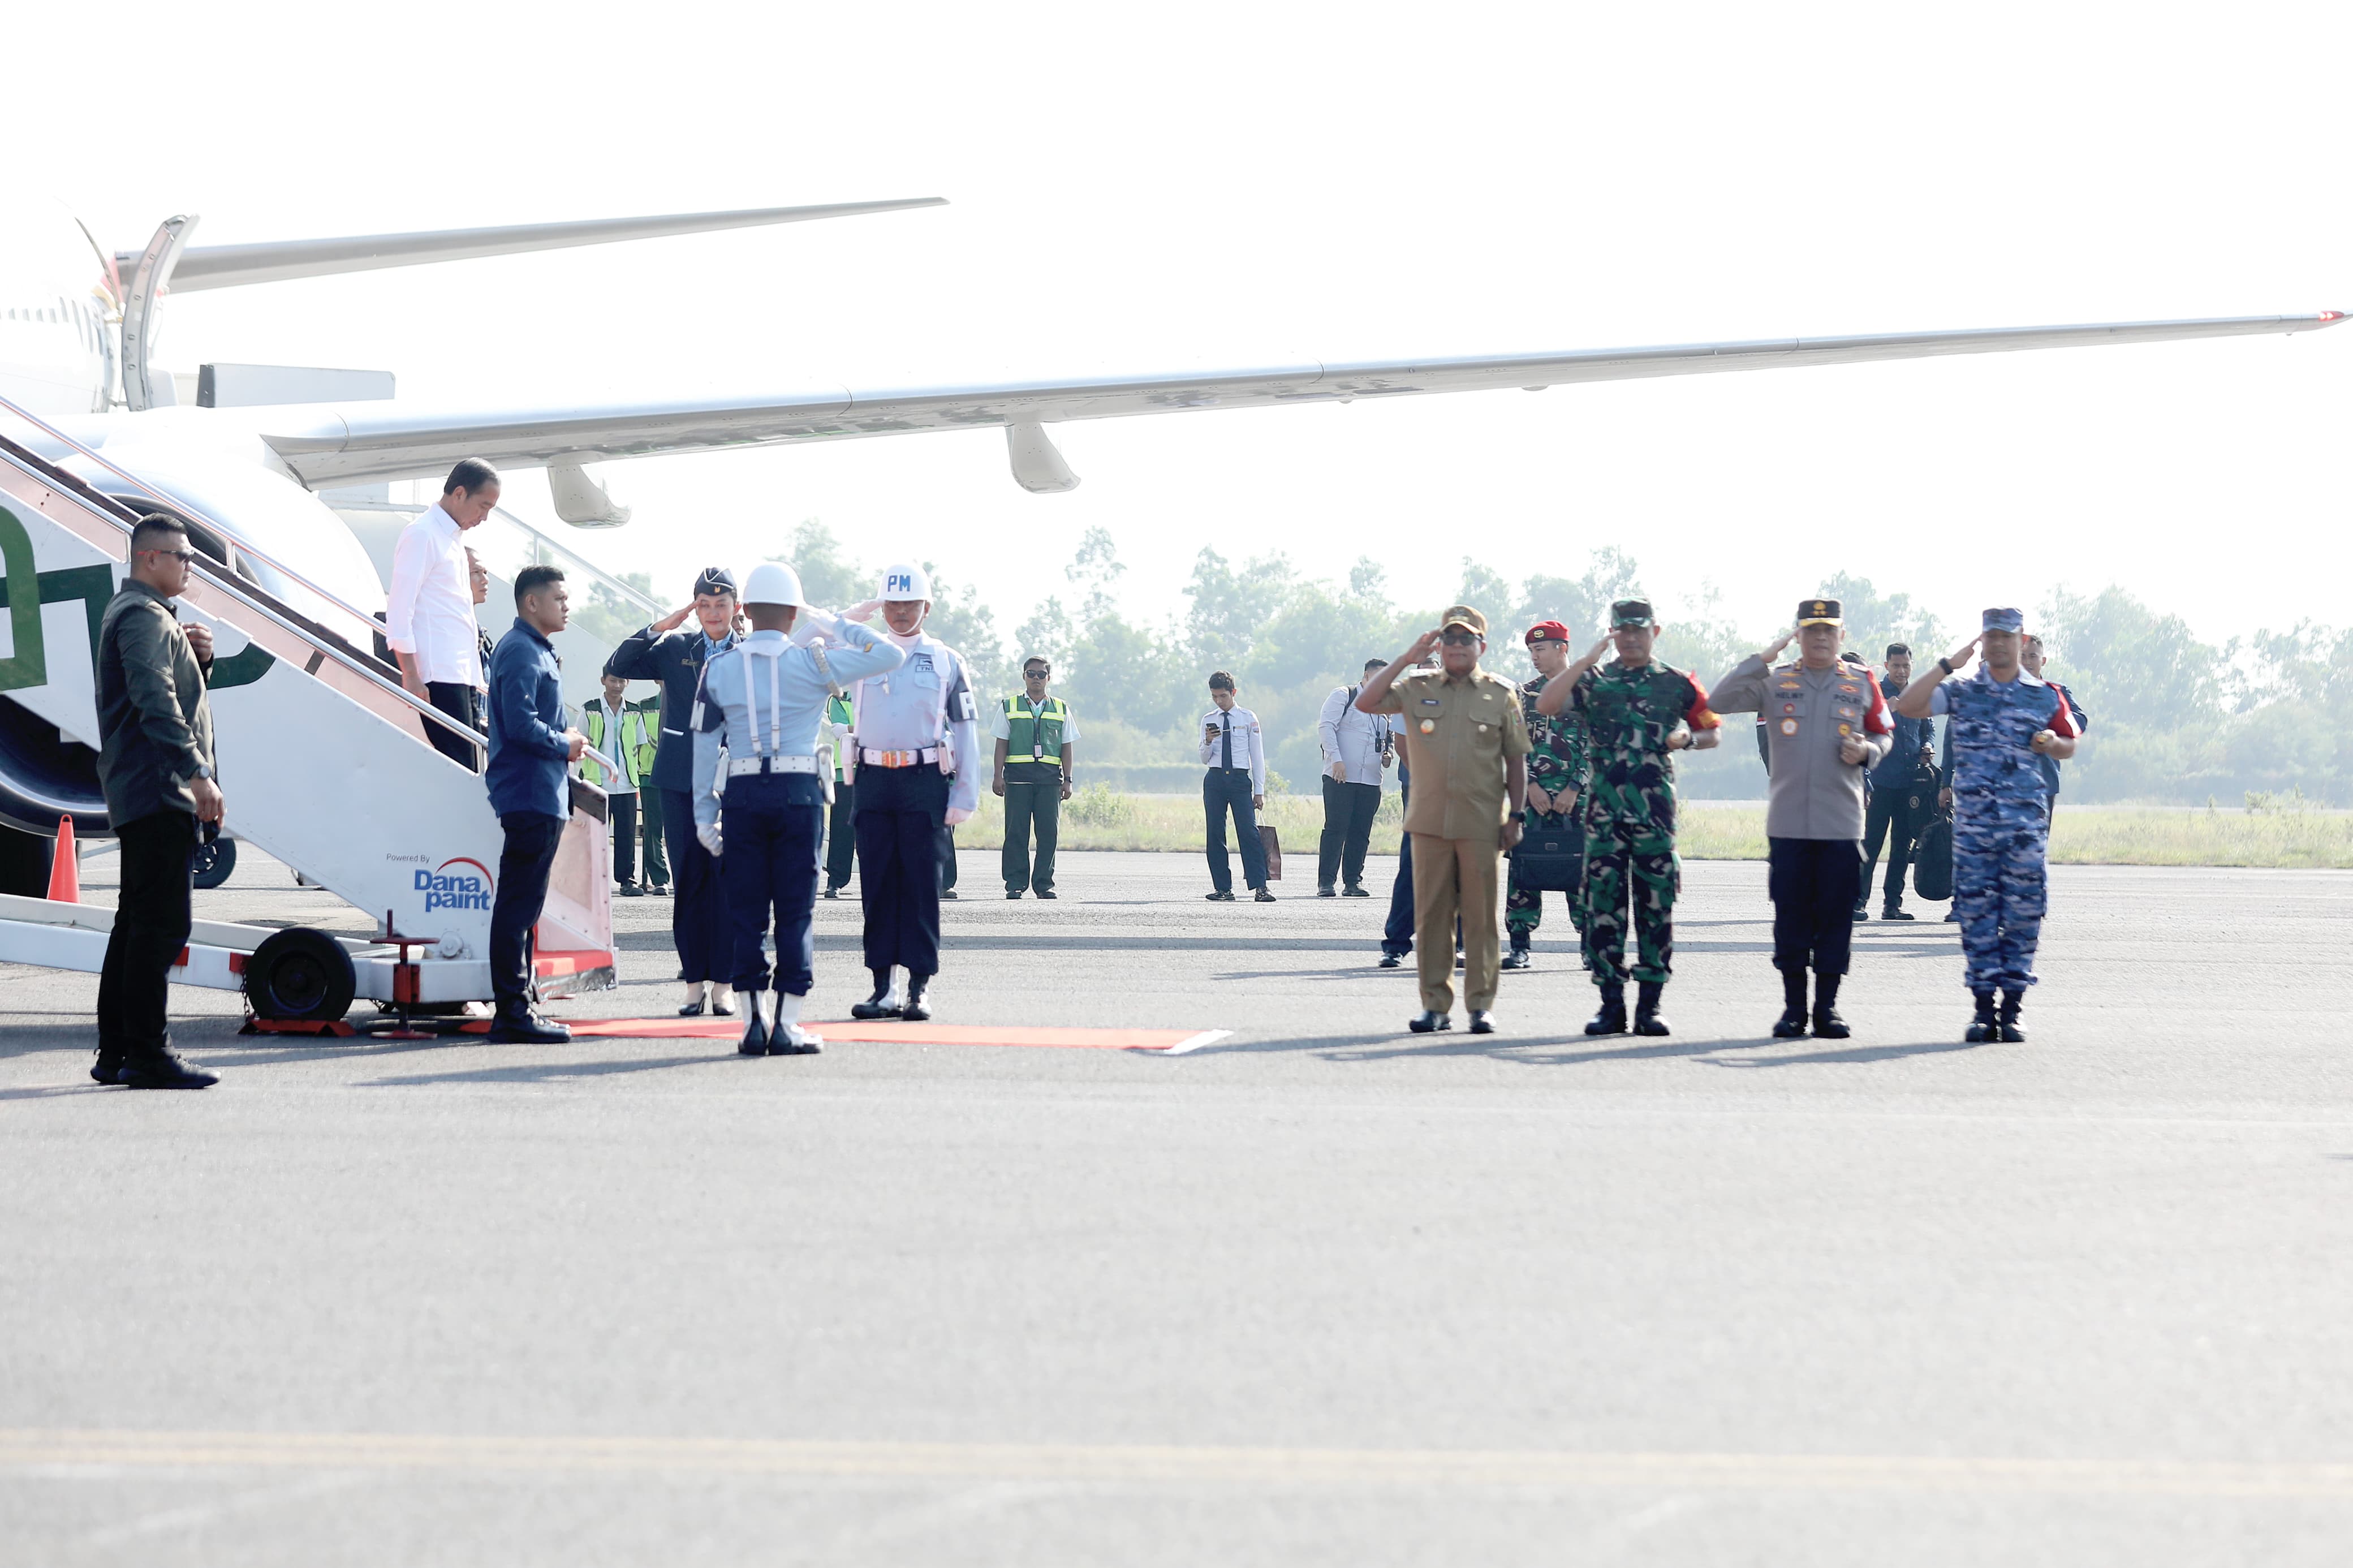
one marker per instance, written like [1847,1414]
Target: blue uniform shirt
[928,704]
[1990,724]
[767,697]
[675,659]
[528,750]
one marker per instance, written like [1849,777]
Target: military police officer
[760,788]
[1558,762]
[2000,724]
[674,653]
[1638,711]
[918,758]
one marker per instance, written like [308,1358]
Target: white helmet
[904,581]
[773,583]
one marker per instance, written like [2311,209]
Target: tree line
[2175,718]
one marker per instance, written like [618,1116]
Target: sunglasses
[179,555]
[1458,639]
[1036,674]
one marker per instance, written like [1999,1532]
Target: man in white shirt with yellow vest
[618,730]
[1235,753]
[1034,733]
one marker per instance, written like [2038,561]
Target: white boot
[896,997]
[786,1036]
[754,1042]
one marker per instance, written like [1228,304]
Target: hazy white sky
[1150,188]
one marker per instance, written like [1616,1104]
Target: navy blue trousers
[698,913]
[771,824]
[901,820]
[524,862]
[1224,790]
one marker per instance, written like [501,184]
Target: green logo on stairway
[27,662]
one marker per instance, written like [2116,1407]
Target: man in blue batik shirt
[762,814]
[531,748]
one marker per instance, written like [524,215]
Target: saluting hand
[676,618]
[1593,655]
[1961,656]
[1787,638]
[1422,645]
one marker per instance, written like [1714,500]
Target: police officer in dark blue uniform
[674,653]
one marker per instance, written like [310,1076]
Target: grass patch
[1097,818]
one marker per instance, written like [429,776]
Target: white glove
[813,623]
[956,814]
[709,837]
[864,612]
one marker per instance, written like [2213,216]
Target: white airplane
[77,340]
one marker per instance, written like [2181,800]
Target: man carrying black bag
[1550,857]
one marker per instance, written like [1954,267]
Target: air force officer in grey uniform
[765,701]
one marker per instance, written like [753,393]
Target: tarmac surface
[1316,1292]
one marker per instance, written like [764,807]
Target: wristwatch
[203,772]
[1944,664]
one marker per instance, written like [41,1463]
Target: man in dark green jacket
[155,762]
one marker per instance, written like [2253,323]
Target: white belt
[739,766]
[870,757]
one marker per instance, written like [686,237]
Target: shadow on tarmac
[1552,1050]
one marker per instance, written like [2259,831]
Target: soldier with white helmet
[761,788]
[918,751]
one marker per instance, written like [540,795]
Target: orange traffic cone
[65,866]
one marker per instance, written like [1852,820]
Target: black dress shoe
[630,890]
[1860,914]
[108,1068]
[1043,893]
[1829,1025]
[1392,961]
[1482,1022]
[1010,894]
[1515,959]
[781,1043]
[721,1005]
[1219,897]
[527,1031]
[873,1007]
[1426,1023]
[948,893]
[692,1009]
[833,893]
[1791,1025]
[1263,896]
[1892,913]
[660,891]
[1354,890]
[754,1042]
[1325,893]
[164,1070]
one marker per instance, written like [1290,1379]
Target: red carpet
[890,1031]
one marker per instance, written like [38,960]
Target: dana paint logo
[467,887]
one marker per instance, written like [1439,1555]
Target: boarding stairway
[324,763]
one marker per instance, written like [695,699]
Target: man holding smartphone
[155,762]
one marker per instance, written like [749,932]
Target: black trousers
[1888,817]
[900,821]
[524,862]
[841,837]
[464,704]
[1031,803]
[623,809]
[649,806]
[1224,790]
[151,926]
[1814,882]
[772,822]
[697,915]
[1348,811]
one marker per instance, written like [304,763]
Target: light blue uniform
[916,726]
[765,699]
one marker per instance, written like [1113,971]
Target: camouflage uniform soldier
[1558,762]
[2003,723]
[1636,711]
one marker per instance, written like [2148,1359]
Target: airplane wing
[235,266]
[329,445]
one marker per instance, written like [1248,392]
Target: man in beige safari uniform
[1466,745]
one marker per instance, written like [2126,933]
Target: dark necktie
[1229,741]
